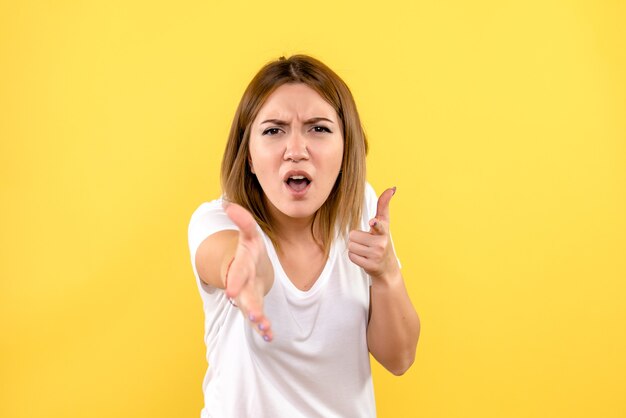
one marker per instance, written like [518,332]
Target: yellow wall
[502,125]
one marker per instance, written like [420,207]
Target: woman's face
[296,149]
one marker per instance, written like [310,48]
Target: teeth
[297,177]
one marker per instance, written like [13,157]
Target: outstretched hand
[373,250]
[247,275]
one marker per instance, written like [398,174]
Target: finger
[252,308]
[378,227]
[361,237]
[366,238]
[260,324]
[361,250]
[243,219]
[360,261]
[382,209]
[264,329]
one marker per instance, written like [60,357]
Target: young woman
[295,263]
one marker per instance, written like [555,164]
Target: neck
[292,231]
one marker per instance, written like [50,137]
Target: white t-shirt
[318,362]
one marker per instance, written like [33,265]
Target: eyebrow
[306,122]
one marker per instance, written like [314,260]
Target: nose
[296,148]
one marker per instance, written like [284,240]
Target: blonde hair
[343,207]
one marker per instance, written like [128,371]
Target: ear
[250,164]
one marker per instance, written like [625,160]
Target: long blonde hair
[343,207]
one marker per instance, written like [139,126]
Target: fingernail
[374,223]
[394,190]
[251,317]
[261,327]
[266,338]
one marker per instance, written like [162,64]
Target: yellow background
[503,125]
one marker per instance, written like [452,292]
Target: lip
[296,193]
[297,173]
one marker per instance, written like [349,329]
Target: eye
[321,129]
[271,131]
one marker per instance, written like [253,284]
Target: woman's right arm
[213,256]
[250,275]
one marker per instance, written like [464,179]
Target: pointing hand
[372,250]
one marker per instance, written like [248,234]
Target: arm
[214,255]
[394,327]
[250,275]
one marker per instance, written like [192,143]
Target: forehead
[296,100]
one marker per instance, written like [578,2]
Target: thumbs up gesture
[372,250]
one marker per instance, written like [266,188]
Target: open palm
[250,274]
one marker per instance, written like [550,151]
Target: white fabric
[318,363]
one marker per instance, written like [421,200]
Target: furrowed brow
[317,119]
[307,122]
[275,122]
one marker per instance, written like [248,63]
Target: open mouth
[298,182]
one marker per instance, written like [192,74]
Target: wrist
[388,278]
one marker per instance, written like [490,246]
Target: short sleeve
[371,205]
[206,220]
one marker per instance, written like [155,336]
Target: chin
[298,213]
[295,207]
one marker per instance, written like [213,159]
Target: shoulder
[214,206]
[207,219]
[209,213]
[369,206]
[370,202]
[370,193]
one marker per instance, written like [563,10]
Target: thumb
[382,209]
[243,219]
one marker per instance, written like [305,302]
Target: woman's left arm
[394,327]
